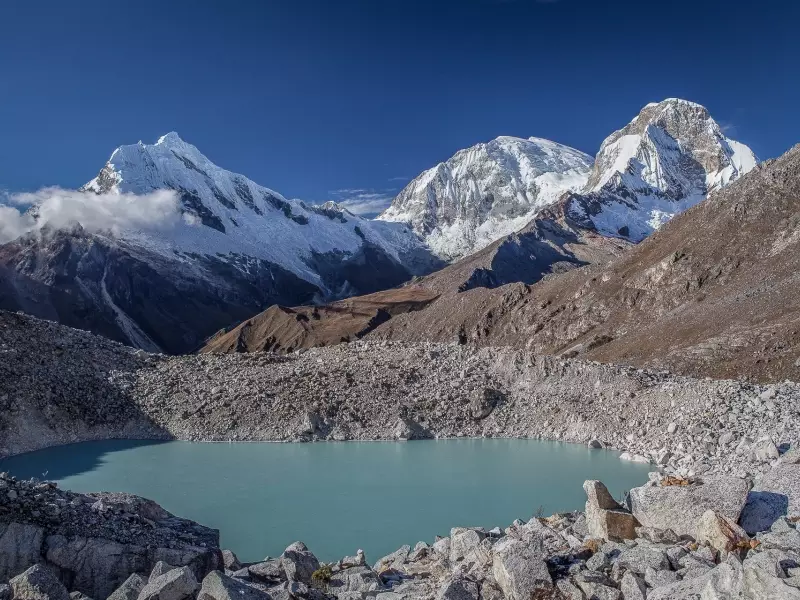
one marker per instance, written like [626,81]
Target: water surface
[338,497]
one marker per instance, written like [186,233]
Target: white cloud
[365,202]
[58,208]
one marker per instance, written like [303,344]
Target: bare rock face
[605,517]
[96,541]
[20,548]
[680,507]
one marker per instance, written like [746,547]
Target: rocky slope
[548,246]
[59,385]
[711,293]
[487,191]
[237,248]
[280,329]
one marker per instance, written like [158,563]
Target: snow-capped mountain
[669,158]
[226,213]
[229,249]
[486,192]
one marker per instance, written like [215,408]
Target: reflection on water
[338,497]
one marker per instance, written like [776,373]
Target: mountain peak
[667,159]
[486,192]
[171,138]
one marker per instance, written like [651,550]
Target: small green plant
[321,577]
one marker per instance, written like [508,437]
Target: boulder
[633,587]
[484,401]
[776,494]
[5,591]
[38,583]
[720,532]
[354,579]
[78,596]
[764,450]
[639,558]
[599,591]
[359,560]
[519,572]
[299,563]
[159,569]
[218,586]
[230,561]
[130,588]
[395,560]
[569,591]
[462,543]
[723,582]
[458,587]
[269,571]
[758,584]
[20,548]
[679,507]
[605,517]
[176,584]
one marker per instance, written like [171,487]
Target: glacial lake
[338,496]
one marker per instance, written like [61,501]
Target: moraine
[338,497]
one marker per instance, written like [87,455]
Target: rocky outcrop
[94,542]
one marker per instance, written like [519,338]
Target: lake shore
[60,385]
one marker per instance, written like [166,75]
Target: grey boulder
[679,507]
[218,586]
[462,543]
[299,563]
[354,579]
[176,584]
[458,588]
[520,572]
[38,583]
[130,588]
[605,517]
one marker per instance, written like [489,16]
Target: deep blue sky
[308,97]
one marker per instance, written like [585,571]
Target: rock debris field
[717,520]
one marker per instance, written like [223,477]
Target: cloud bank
[58,208]
[364,202]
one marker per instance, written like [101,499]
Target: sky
[350,99]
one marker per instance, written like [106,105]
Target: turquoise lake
[338,497]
